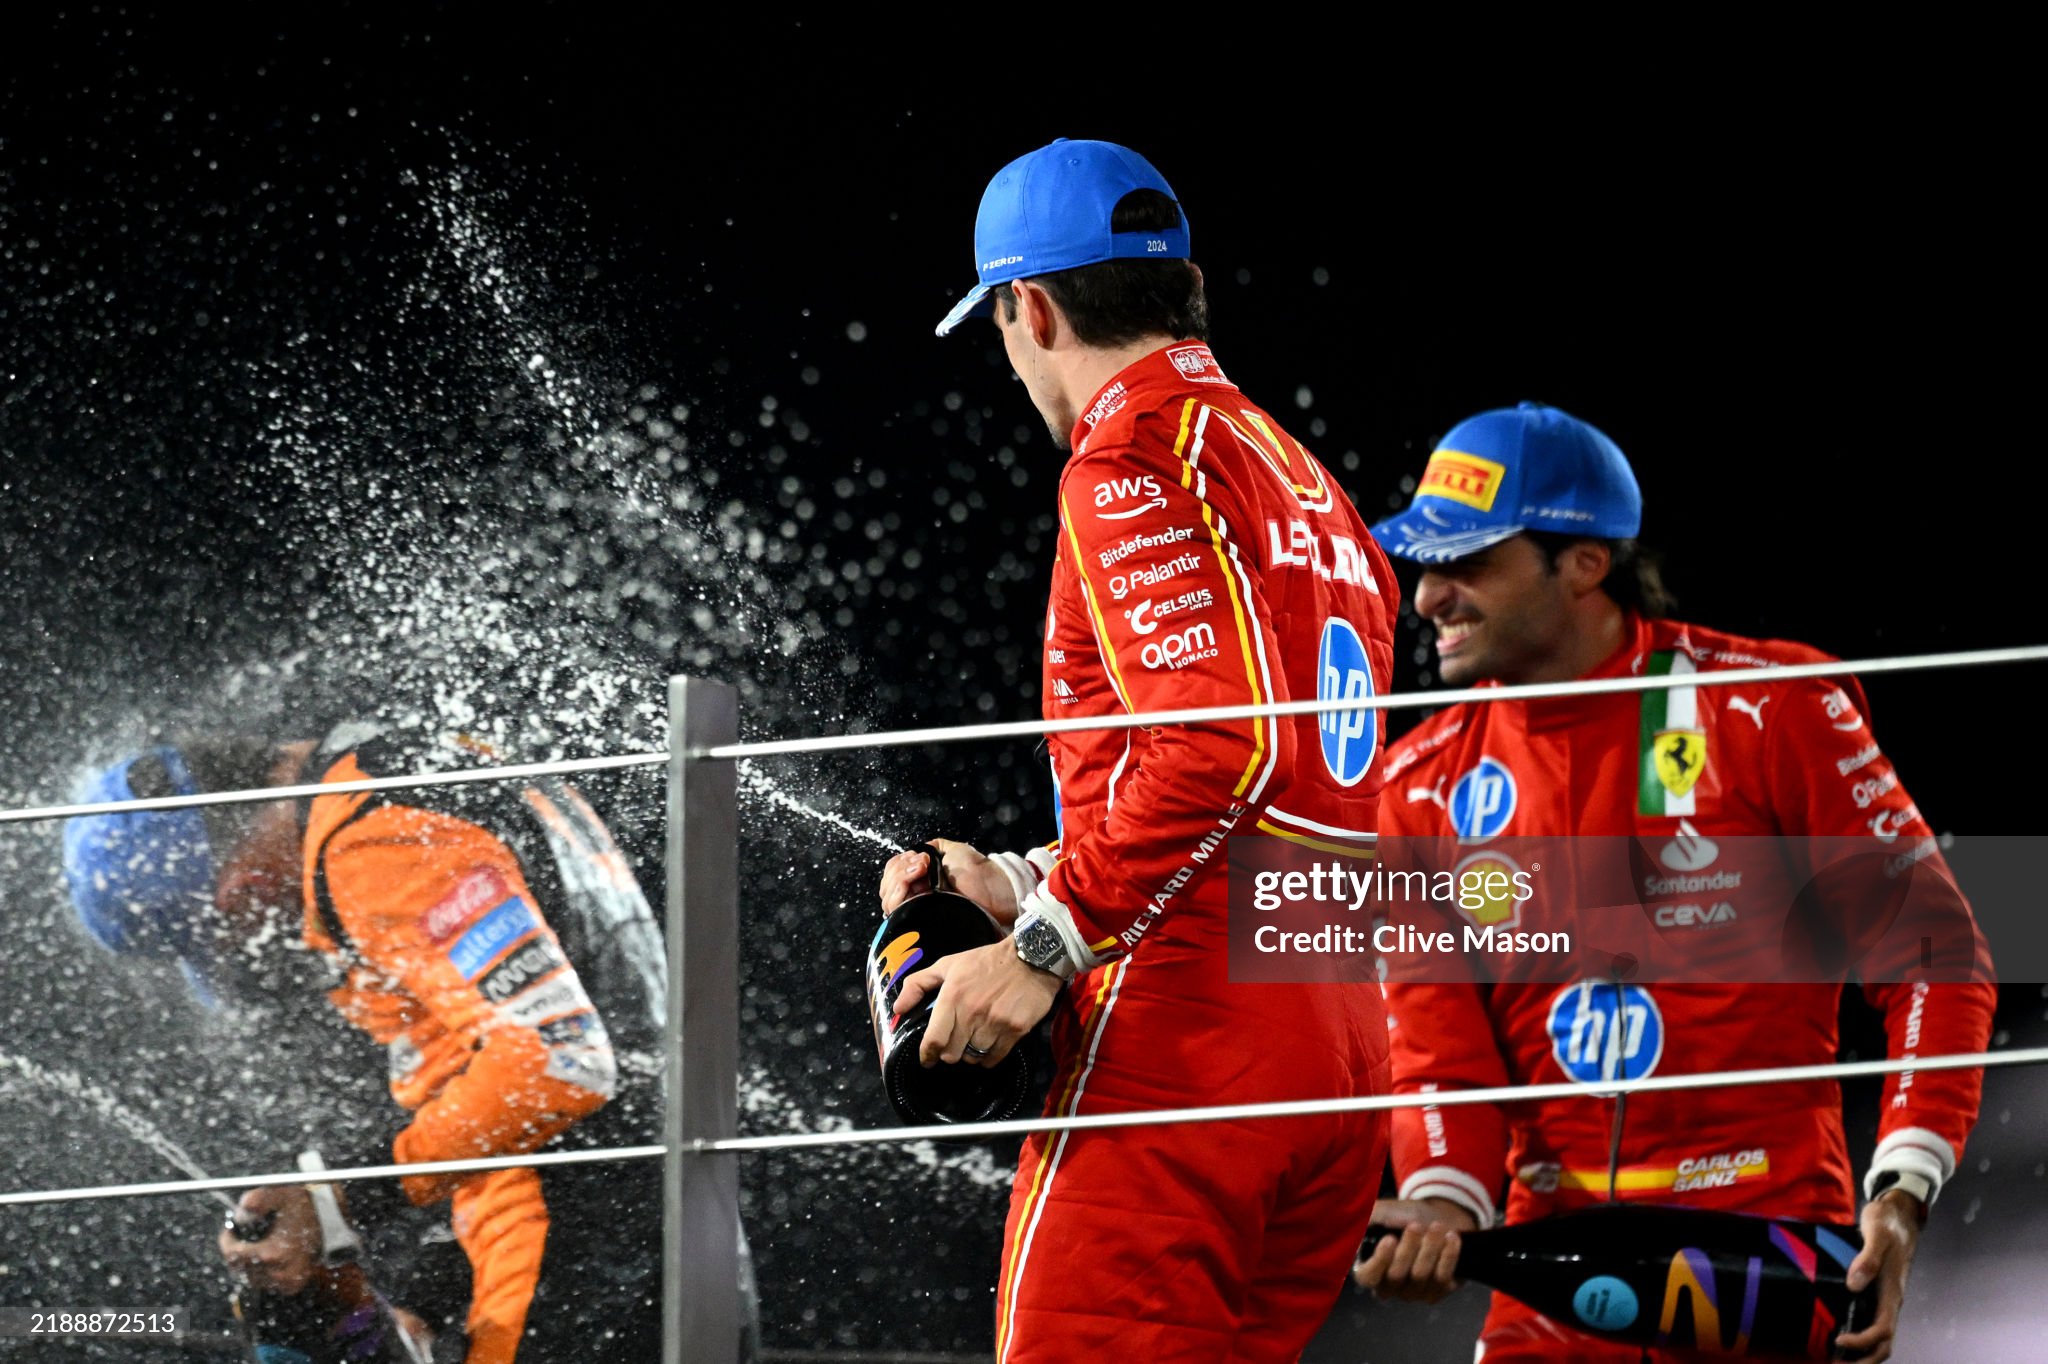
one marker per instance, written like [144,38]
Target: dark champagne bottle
[923,929]
[1685,1278]
[339,1318]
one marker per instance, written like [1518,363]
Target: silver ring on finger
[978,1052]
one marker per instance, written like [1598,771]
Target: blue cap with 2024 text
[1051,210]
[1515,469]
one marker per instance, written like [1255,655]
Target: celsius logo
[1191,645]
[1603,1031]
[1689,851]
[1343,673]
[1886,824]
[1201,599]
[1483,801]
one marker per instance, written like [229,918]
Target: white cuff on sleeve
[1023,871]
[1453,1185]
[1061,918]
[1913,1151]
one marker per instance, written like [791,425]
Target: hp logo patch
[1601,1032]
[1343,674]
[1483,801]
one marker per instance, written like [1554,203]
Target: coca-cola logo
[473,894]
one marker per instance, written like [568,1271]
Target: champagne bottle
[923,929]
[1719,1283]
[339,1318]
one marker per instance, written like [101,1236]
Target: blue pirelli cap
[1515,469]
[1051,210]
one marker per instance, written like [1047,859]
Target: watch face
[1039,944]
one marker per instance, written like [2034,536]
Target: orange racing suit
[495,1045]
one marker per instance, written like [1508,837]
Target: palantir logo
[1343,673]
[1483,801]
[1603,1031]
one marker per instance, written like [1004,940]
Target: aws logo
[1117,490]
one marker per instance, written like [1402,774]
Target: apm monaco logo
[1191,645]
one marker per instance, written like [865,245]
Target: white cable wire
[334,788]
[1018,1127]
[1026,728]
[432,1167]
[1391,701]
[964,733]
[1297,1108]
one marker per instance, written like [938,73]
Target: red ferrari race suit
[1782,770]
[1205,558]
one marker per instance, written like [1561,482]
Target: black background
[1774,278]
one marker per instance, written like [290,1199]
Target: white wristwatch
[1040,945]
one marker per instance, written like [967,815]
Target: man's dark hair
[1635,577]
[1115,302]
[216,763]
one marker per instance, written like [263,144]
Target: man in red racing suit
[1205,558]
[1783,772]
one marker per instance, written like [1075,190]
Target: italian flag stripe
[1672,708]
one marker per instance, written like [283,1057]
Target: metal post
[700,1206]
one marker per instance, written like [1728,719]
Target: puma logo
[1754,711]
[1431,793]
